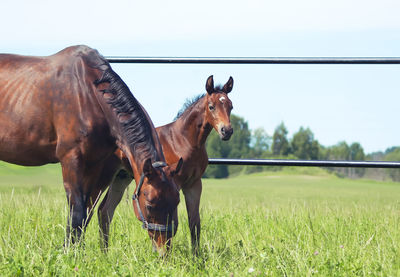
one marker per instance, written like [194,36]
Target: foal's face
[219,107]
[158,201]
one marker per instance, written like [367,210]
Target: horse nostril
[223,130]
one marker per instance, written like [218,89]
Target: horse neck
[129,122]
[194,125]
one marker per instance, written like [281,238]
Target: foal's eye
[211,107]
[149,208]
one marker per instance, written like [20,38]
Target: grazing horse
[72,108]
[186,138]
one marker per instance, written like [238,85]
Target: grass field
[298,222]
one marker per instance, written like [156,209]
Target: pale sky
[355,103]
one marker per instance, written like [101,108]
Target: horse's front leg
[73,171]
[192,199]
[93,197]
[110,202]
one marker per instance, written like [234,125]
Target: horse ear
[178,166]
[228,86]
[148,168]
[210,85]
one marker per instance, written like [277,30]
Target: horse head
[219,107]
[155,202]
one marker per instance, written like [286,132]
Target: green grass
[297,222]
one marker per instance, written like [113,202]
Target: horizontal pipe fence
[308,163]
[274,60]
[262,60]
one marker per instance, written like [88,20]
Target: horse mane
[218,88]
[136,129]
[190,102]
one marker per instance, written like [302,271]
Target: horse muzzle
[226,132]
[162,241]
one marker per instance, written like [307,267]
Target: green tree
[216,149]
[260,143]
[304,146]
[340,151]
[280,143]
[393,155]
[356,154]
[239,144]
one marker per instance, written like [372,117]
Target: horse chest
[192,170]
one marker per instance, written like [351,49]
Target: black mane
[136,128]
[218,88]
[189,103]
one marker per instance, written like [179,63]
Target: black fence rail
[308,163]
[258,60]
[274,60]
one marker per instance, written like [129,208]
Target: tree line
[257,144]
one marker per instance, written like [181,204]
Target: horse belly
[26,144]
[27,136]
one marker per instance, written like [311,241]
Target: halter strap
[135,197]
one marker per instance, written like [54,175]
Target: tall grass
[289,223]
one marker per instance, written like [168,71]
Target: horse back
[47,106]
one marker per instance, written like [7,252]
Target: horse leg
[93,200]
[192,199]
[110,202]
[72,171]
[95,180]
[98,182]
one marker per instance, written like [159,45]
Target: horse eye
[211,107]
[149,208]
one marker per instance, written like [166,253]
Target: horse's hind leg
[192,199]
[107,207]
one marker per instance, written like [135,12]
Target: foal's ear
[210,85]
[179,165]
[148,168]
[228,86]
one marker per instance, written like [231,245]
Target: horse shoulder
[168,143]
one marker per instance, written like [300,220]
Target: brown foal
[186,138]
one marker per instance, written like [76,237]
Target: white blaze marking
[222,99]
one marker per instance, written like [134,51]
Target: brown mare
[186,138]
[72,108]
